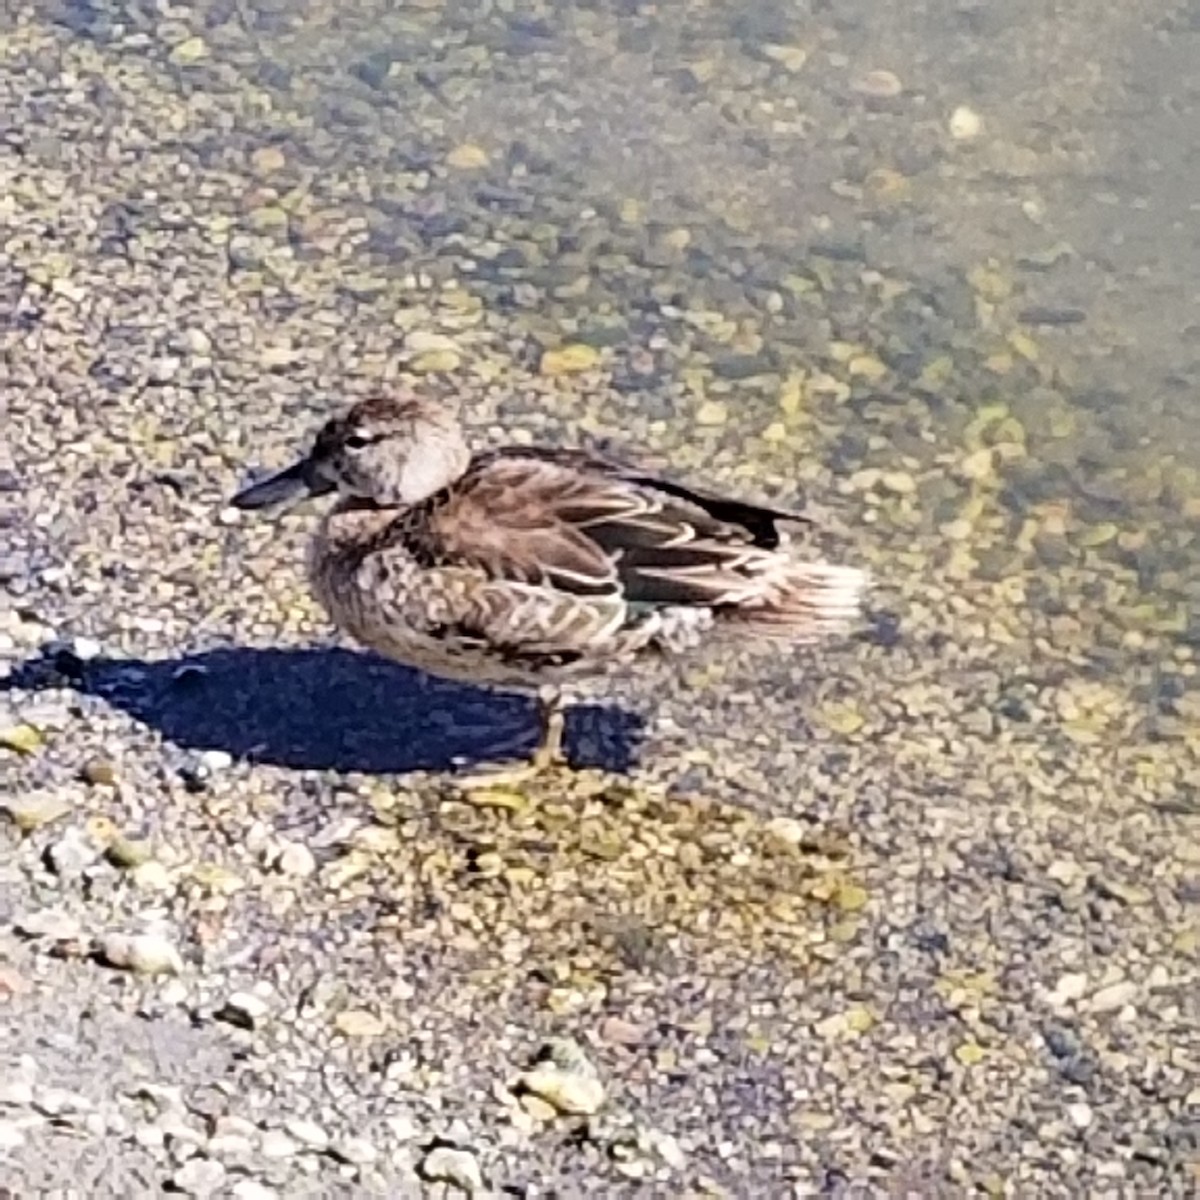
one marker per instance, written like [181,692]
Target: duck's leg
[549,752]
[547,755]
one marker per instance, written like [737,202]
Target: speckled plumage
[527,564]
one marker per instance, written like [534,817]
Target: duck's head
[391,451]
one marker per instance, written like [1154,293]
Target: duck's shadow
[328,708]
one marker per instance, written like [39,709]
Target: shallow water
[715,194]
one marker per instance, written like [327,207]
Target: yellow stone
[436,361]
[1099,535]
[842,932]
[467,157]
[860,1020]
[790,58]
[496,797]
[190,50]
[1024,345]
[569,359]
[867,366]
[980,465]
[850,897]
[970,1053]
[712,412]
[791,394]
[23,738]
[216,879]
[936,373]
[358,1022]
[815,1121]
[840,718]
[630,211]
[268,159]
[884,182]
[990,282]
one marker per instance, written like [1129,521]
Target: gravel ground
[911,914]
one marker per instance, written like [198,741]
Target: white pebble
[245,1009]
[11,1137]
[144,954]
[248,1189]
[356,1150]
[216,760]
[459,1167]
[17,1092]
[86,648]
[1080,1115]
[229,1145]
[200,1177]
[965,124]
[277,1144]
[307,1133]
[1069,987]
[295,858]
[1116,995]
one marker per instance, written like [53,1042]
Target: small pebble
[266,160]
[879,85]
[249,1189]
[564,1078]
[237,1126]
[358,1023]
[199,1177]
[567,1092]
[22,738]
[1115,996]
[129,853]
[1080,1115]
[444,1164]
[58,1102]
[355,1150]
[49,923]
[72,854]
[568,360]
[277,1144]
[31,812]
[99,772]
[296,859]
[143,953]
[243,1009]
[11,1136]
[467,157]
[17,1092]
[229,1145]
[1070,987]
[307,1133]
[965,124]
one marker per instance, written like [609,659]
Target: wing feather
[590,526]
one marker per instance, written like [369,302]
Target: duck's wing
[590,526]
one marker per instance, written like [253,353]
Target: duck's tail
[806,603]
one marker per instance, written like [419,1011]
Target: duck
[525,566]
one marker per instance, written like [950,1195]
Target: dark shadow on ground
[327,708]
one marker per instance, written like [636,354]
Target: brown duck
[526,565]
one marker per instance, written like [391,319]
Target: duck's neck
[354,524]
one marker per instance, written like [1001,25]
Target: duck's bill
[296,483]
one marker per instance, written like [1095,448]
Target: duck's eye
[356,441]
